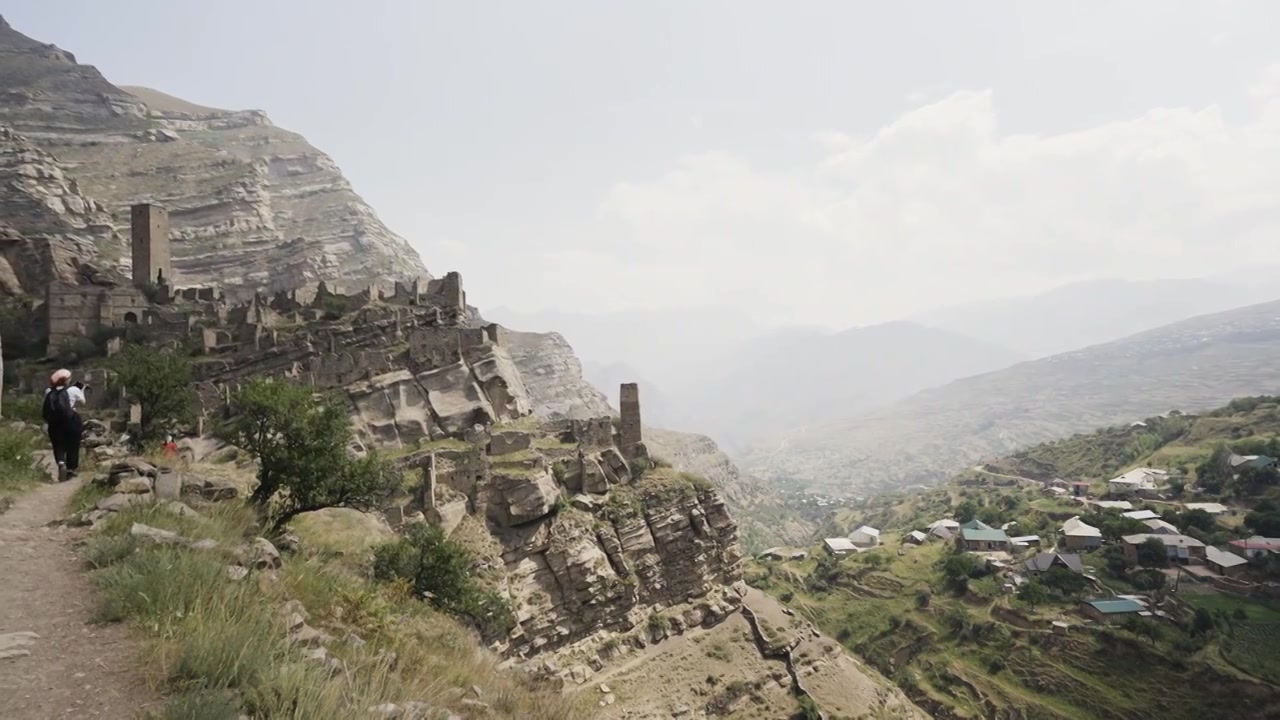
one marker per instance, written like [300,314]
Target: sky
[830,162]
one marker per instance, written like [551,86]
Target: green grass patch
[1216,602]
[18,472]
[219,647]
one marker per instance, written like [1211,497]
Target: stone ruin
[592,542]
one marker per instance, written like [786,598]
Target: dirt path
[68,668]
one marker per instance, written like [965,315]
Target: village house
[1114,504]
[839,546]
[1056,491]
[915,537]
[947,523]
[1225,563]
[1256,546]
[1139,481]
[1044,562]
[1140,515]
[1077,534]
[1025,540]
[1111,610]
[1080,488]
[1212,508]
[1240,463]
[977,536]
[865,537]
[942,532]
[1162,527]
[1180,548]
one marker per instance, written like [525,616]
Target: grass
[1218,602]
[218,648]
[17,462]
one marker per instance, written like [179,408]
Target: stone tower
[149,225]
[629,430]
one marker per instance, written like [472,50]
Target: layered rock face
[49,229]
[554,377]
[581,541]
[252,206]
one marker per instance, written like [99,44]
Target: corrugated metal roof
[1113,607]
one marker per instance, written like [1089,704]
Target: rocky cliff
[557,388]
[251,205]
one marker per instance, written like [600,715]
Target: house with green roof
[1110,609]
[977,536]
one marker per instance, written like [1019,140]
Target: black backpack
[57,408]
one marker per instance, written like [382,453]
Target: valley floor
[53,663]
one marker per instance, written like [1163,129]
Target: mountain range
[1188,365]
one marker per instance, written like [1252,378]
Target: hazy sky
[835,162]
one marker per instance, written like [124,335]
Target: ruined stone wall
[73,311]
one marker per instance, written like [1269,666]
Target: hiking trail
[53,663]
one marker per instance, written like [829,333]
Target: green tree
[1197,519]
[440,572]
[1212,474]
[300,441]
[1152,554]
[1064,581]
[159,381]
[1033,593]
[1201,622]
[966,511]
[1117,564]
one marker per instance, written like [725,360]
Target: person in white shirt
[65,424]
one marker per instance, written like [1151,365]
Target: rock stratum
[251,205]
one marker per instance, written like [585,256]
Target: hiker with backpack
[65,424]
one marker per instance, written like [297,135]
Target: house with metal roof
[1140,515]
[1077,534]
[1255,546]
[1114,504]
[1180,548]
[1044,562]
[839,546]
[977,536]
[1111,609]
[1250,462]
[1225,563]
[915,537]
[1209,507]
[1139,481]
[1162,527]
[865,537]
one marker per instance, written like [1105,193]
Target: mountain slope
[1193,364]
[1088,313]
[799,376]
[251,205]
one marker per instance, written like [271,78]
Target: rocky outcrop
[49,229]
[553,376]
[251,205]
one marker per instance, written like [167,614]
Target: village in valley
[1067,560]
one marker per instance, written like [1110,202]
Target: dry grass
[218,648]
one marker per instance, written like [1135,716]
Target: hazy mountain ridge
[1194,364]
[1088,313]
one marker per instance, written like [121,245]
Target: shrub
[439,571]
[300,441]
[159,381]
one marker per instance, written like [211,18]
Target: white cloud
[937,206]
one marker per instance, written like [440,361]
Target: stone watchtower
[629,428]
[150,230]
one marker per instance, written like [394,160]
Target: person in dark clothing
[65,424]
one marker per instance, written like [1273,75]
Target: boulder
[263,555]
[119,501]
[505,442]
[179,509]
[132,466]
[134,485]
[219,490]
[168,537]
[519,498]
[594,479]
[237,572]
